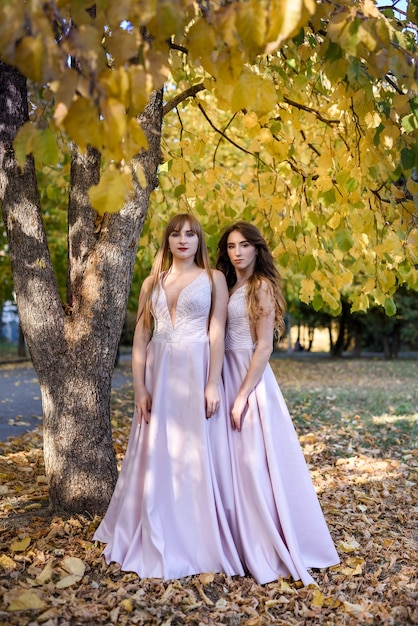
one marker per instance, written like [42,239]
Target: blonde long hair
[164,260]
[264,272]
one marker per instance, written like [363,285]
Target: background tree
[325,162]
[322,125]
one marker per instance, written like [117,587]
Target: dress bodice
[238,329]
[192,312]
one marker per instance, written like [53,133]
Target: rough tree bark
[73,345]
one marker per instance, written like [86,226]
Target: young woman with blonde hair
[165,519]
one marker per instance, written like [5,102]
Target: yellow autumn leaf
[307,290]
[117,83]
[114,125]
[6,563]
[386,279]
[206,578]
[28,600]
[68,581]
[73,565]
[351,571]
[251,26]
[82,124]
[201,41]
[360,302]
[111,193]
[253,93]
[45,575]
[412,244]
[348,545]
[284,586]
[180,167]
[135,139]
[29,57]
[123,45]
[357,610]
[250,120]
[20,545]
[64,91]
[318,599]
[334,220]
[140,88]
[356,563]
[388,136]
[330,300]
[285,19]
[372,119]
[128,605]
[401,104]
[168,19]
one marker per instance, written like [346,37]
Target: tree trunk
[21,346]
[339,345]
[73,346]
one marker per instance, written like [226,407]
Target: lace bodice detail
[238,329]
[192,312]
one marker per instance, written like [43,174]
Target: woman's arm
[216,341]
[142,337]
[264,330]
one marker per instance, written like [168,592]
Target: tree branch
[176,46]
[189,93]
[231,141]
[303,107]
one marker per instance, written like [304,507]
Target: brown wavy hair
[264,272]
[164,260]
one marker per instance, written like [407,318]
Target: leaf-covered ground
[357,422]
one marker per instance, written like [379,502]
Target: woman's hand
[143,404]
[211,399]
[238,411]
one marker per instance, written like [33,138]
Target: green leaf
[327,197]
[179,191]
[317,302]
[307,264]
[410,122]
[334,51]
[390,306]
[408,157]
[351,184]
[344,240]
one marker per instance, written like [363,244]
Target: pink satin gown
[273,509]
[166,518]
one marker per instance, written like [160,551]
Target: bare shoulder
[218,277]
[146,284]
[265,292]
[264,286]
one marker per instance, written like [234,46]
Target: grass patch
[376,400]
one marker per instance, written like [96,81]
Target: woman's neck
[242,277]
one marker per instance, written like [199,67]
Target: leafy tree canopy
[301,116]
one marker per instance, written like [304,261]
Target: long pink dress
[277,521]
[165,518]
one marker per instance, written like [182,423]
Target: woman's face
[183,243]
[241,252]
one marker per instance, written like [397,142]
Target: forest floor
[357,424]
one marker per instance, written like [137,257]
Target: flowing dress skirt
[166,518]
[277,523]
